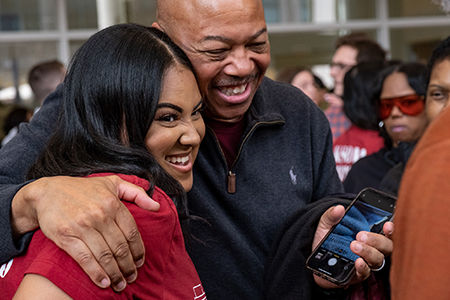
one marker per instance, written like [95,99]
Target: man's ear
[156,25]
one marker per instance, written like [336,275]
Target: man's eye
[216,51]
[436,95]
[258,46]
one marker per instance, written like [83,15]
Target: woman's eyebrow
[199,104]
[170,105]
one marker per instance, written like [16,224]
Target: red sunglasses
[411,105]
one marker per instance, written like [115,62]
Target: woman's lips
[398,128]
[181,163]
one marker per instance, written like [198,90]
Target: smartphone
[332,259]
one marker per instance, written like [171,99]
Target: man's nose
[241,63]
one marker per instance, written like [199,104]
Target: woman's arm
[37,287]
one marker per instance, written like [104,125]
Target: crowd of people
[100,196]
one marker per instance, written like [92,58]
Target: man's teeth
[180,160]
[234,91]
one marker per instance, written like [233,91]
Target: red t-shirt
[168,272]
[353,145]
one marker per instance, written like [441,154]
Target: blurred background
[301,32]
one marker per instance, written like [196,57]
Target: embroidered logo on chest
[293,176]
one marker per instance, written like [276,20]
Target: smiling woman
[131,108]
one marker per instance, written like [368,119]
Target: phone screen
[333,258]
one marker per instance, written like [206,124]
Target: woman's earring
[381,124]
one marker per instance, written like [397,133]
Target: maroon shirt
[229,135]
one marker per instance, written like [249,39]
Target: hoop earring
[381,124]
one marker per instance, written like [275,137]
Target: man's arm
[84,216]
[15,159]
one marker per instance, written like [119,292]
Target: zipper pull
[231,182]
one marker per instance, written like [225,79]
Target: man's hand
[85,218]
[371,247]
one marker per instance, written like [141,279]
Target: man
[351,50]
[44,77]
[266,154]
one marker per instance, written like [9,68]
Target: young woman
[304,79]
[400,99]
[131,108]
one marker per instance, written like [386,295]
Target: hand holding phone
[332,259]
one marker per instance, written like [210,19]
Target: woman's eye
[167,118]
[385,105]
[197,113]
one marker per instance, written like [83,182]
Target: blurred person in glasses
[399,96]
[351,50]
[423,237]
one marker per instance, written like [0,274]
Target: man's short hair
[368,49]
[43,77]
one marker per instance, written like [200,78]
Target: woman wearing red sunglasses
[399,96]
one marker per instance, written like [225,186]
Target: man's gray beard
[444,4]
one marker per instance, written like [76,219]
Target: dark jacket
[381,170]
[285,162]
[15,159]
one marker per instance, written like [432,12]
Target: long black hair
[358,90]
[110,95]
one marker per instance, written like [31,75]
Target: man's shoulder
[280,95]
[269,86]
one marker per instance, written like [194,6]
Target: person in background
[419,265]
[322,90]
[351,50]
[362,138]
[11,124]
[400,101]
[254,125]
[304,79]
[134,129]
[43,79]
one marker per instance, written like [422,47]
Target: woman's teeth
[234,91]
[179,160]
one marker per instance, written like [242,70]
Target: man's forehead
[195,9]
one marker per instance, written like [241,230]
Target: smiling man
[267,153]
[228,46]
